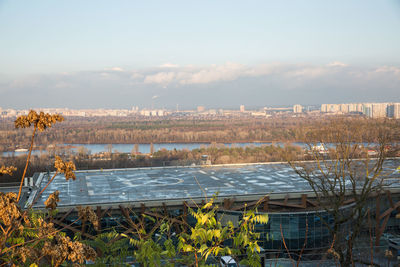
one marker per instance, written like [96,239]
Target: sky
[119,54]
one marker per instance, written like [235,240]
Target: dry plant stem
[284,243]
[5,236]
[27,163]
[2,229]
[304,245]
[201,188]
[195,255]
[326,253]
[41,192]
[49,182]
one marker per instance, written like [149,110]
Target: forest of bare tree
[119,130]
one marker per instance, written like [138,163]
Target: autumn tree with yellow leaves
[28,236]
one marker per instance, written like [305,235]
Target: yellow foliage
[40,121]
[66,168]
[7,170]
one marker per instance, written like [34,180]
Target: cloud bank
[225,85]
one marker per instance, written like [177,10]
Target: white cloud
[282,75]
[256,83]
[137,76]
[308,72]
[215,73]
[198,75]
[388,69]
[117,69]
[265,69]
[337,64]
[230,71]
[169,65]
[160,78]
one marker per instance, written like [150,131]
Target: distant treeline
[116,130]
[101,130]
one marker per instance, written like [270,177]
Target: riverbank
[142,148]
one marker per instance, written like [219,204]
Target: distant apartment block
[152,113]
[297,108]
[393,110]
[371,110]
[379,110]
[201,108]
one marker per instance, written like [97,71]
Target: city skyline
[96,54]
[369,109]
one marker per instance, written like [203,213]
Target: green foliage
[154,250]
[111,249]
[207,238]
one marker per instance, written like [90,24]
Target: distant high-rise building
[393,110]
[330,108]
[241,108]
[344,108]
[201,108]
[354,107]
[297,109]
[367,109]
[390,111]
[396,112]
[379,110]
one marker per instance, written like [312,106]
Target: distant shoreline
[144,148]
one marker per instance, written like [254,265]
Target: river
[143,148]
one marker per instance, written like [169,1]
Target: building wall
[297,109]
[372,110]
[294,226]
[396,113]
[379,110]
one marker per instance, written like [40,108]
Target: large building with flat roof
[171,183]
[117,195]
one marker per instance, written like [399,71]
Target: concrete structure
[396,112]
[297,108]
[371,110]
[379,110]
[333,108]
[201,108]
[251,181]
[393,110]
[118,195]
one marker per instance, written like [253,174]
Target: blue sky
[174,48]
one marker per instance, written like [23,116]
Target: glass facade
[294,226]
